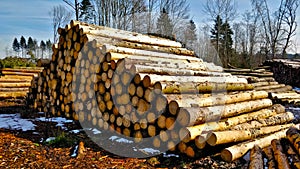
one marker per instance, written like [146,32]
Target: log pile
[15,83]
[143,86]
[285,71]
[280,153]
[262,80]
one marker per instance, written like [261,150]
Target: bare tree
[279,26]
[226,9]
[74,6]
[60,17]
[289,20]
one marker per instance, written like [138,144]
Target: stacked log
[142,86]
[15,82]
[264,80]
[285,71]
[279,153]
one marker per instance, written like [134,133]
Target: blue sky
[31,18]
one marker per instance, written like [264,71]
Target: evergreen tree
[190,36]
[30,44]
[221,38]
[216,33]
[87,12]
[49,46]
[23,44]
[227,42]
[164,25]
[16,46]
[43,47]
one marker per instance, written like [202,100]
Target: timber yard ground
[23,145]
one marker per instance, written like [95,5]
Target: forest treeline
[225,37]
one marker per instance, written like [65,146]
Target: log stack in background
[262,79]
[143,86]
[285,70]
[16,82]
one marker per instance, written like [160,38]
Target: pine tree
[87,12]
[227,42]
[164,25]
[16,46]
[190,36]
[49,46]
[43,47]
[30,44]
[221,38]
[23,45]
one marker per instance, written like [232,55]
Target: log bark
[268,152]
[293,135]
[232,136]
[15,85]
[189,116]
[125,35]
[7,95]
[234,152]
[256,158]
[280,157]
[191,132]
[198,100]
[291,154]
[273,120]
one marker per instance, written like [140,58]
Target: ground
[28,149]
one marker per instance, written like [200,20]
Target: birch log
[236,151]
[189,116]
[232,136]
[190,133]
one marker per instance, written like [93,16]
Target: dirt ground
[24,149]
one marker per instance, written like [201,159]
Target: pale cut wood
[270,87]
[289,95]
[231,136]
[195,115]
[12,94]
[195,88]
[173,71]
[19,73]
[25,70]
[194,79]
[125,35]
[128,52]
[273,120]
[177,51]
[191,132]
[236,151]
[15,85]
[194,100]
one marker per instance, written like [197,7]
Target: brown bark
[256,158]
[280,157]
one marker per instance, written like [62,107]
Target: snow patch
[120,140]
[59,120]
[15,122]
[150,150]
